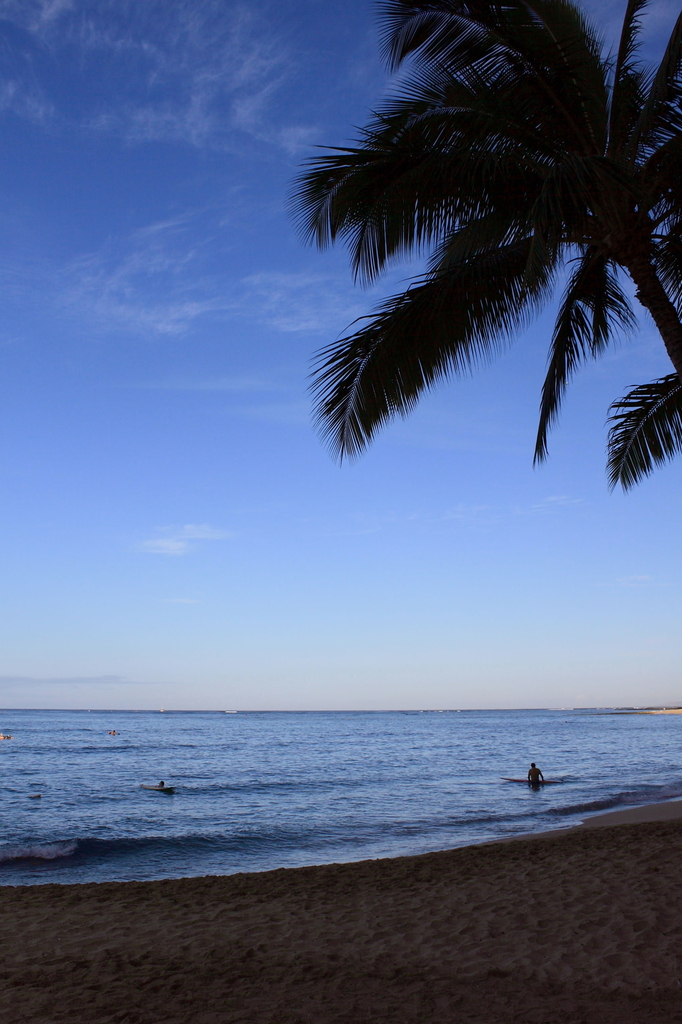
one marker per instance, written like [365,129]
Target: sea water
[266,790]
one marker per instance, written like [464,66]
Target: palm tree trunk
[654,297]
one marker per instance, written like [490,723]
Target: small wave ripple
[619,801]
[38,851]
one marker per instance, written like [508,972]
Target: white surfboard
[540,782]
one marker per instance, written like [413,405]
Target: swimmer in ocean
[534,774]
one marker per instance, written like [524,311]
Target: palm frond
[549,43]
[578,189]
[660,177]
[593,308]
[386,198]
[436,28]
[668,262]
[413,182]
[572,48]
[646,430]
[661,117]
[446,324]
[629,80]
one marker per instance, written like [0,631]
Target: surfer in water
[534,774]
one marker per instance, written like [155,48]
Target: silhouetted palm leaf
[593,306]
[646,430]
[447,324]
[629,81]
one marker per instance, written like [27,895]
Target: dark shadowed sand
[578,927]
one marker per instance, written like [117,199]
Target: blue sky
[173,533]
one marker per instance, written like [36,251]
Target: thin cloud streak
[465,514]
[229,385]
[301,302]
[71,681]
[177,540]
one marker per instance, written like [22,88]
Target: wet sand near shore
[578,927]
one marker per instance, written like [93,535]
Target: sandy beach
[578,927]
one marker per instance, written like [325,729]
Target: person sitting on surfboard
[534,774]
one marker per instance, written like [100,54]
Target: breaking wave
[38,851]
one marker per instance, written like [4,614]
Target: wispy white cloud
[285,413]
[35,15]
[472,515]
[230,385]
[153,282]
[635,581]
[24,98]
[196,72]
[253,398]
[547,506]
[178,540]
[301,302]
[296,138]
[71,680]
[163,279]
[551,505]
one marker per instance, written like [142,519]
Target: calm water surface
[263,790]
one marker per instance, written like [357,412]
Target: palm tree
[511,154]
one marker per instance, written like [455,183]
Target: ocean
[262,790]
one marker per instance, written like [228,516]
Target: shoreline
[582,925]
[663,810]
[660,811]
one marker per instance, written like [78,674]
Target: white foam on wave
[38,851]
